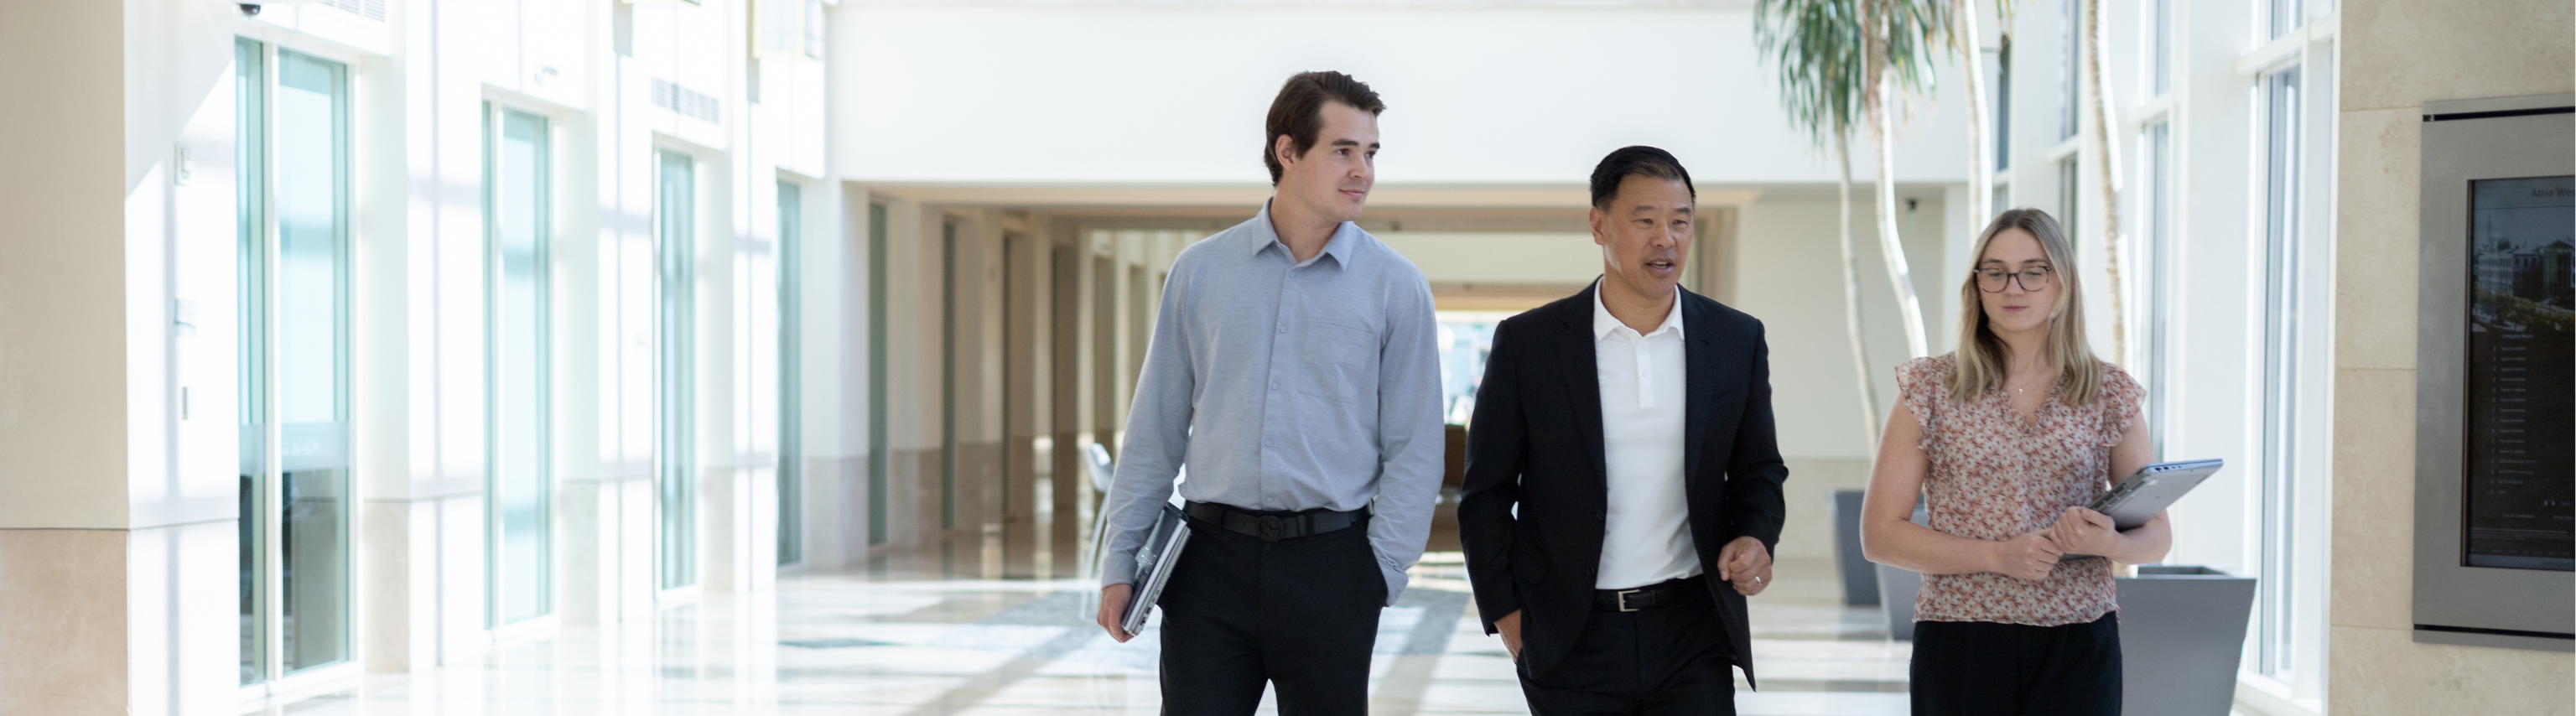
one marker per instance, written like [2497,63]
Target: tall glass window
[250,149]
[674,335]
[2071,71]
[310,195]
[2274,621]
[791,450]
[879,462]
[2002,81]
[2161,70]
[2284,16]
[2159,205]
[814,29]
[516,218]
[2070,198]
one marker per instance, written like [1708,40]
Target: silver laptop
[2153,489]
[1154,564]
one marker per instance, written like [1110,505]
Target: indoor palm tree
[1899,37]
[1964,39]
[1819,47]
[2107,152]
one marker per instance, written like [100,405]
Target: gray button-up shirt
[1287,386]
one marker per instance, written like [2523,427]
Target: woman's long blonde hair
[1981,354]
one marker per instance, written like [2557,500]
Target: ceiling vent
[369,9]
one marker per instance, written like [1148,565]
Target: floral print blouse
[1996,475]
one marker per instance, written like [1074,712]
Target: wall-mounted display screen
[2520,492]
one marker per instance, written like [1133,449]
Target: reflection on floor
[899,642]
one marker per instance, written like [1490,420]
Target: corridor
[760,357]
[902,638]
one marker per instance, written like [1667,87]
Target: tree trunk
[1851,297]
[1890,246]
[2109,151]
[1981,171]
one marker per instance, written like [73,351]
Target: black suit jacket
[1535,442]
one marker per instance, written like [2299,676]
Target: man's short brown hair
[1299,111]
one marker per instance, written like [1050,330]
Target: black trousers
[1300,614]
[1672,659]
[1989,669]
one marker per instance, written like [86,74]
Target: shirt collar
[1340,247]
[1603,323]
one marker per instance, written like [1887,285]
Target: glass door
[293,218]
[518,560]
[250,147]
[675,315]
[311,343]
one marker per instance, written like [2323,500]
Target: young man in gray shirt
[1294,372]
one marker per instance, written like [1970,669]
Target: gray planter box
[1897,587]
[1860,584]
[2182,635]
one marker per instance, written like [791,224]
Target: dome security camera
[253,6]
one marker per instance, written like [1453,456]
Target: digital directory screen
[2520,506]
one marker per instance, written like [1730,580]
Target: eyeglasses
[2033,279]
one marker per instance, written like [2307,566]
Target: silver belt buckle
[1623,599]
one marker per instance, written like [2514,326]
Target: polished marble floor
[905,641]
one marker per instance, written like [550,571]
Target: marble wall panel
[2395,56]
[63,619]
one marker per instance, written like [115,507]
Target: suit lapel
[1583,382]
[1700,367]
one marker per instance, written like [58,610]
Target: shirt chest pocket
[1338,363]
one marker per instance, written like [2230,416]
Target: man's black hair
[1637,161]
[1298,111]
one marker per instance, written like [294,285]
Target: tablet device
[2154,488]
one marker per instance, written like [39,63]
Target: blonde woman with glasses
[2006,440]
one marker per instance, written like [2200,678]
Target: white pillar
[117,428]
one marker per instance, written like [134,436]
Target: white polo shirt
[1644,391]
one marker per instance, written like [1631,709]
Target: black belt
[1642,598]
[1275,526]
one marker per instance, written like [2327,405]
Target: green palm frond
[1823,49]
[1916,32]
[1823,58]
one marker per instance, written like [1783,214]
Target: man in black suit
[1631,425]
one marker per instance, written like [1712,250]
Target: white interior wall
[180,436]
[1540,257]
[1175,96]
[1788,271]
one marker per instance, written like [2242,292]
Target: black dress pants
[1991,669]
[1671,659]
[1300,614]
